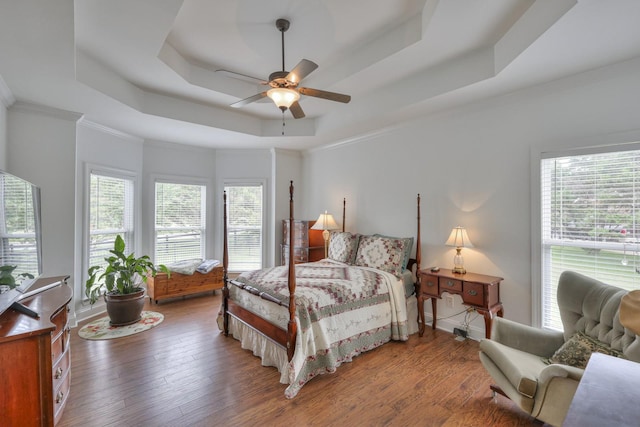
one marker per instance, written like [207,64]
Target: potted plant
[8,281]
[120,283]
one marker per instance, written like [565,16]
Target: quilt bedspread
[342,311]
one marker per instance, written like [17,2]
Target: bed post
[291,327]
[344,209]
[418,256]
[225,265]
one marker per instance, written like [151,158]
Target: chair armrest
[541,342]
[557,370]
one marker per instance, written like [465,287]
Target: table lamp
[325,223]
[459,240]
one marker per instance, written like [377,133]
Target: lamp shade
[459,238]
[325,222]
[283,97]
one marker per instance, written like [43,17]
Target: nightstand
[478,291]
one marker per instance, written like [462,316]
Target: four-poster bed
[307,319]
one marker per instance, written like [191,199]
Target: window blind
[244,226]
[589,222]
[110,214]
[17,227]
[180,222]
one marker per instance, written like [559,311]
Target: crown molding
[110,131]
[29,107]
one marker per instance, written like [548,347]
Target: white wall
[42,149]
[472,167]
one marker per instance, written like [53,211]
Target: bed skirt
[274,355]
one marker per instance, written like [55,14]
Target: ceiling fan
[284,90]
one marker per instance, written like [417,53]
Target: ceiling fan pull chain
[283,122]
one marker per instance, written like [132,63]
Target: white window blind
[111,204]
[590,213]
[180,222]
[244,226]
[17,225]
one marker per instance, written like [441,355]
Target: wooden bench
[162,287]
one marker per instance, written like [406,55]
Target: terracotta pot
[124,309]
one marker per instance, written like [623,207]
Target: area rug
[101,329]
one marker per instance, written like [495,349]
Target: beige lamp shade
[459,239]
[325,222]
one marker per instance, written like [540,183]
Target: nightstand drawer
[473,294]
[429,284]
[450,285]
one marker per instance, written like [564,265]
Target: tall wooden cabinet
[35,361]
[308,244]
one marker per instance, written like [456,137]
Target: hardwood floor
[186,373]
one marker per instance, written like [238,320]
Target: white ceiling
[148,67]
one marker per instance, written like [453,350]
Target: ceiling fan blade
[241,76]
[302,70]
[249,100]
[296,110]
[331,96]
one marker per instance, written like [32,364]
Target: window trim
[265,211]
[608,144]
[92,168]
[183,180]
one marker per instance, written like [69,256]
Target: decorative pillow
[577,350]
[343,246]
[408,245]
[379,252]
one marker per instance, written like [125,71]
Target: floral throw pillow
[342,247]
[577,350]
[383,253]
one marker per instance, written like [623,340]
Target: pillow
[408,245]
[343,246]
[577,350]
[383,253]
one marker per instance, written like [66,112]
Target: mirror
[20,238]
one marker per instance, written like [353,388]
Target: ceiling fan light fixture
[283,97]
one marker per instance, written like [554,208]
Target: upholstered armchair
[532,366]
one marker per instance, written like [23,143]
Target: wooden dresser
[308,244]
[163,287]
[35,361]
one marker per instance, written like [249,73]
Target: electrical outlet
[449,300]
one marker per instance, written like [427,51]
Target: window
[18,244]
[180,222]
[245,226]
[111,205]
[589,222]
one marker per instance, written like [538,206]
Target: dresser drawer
[60,321]
[429,284]
[450,285]
[60,397]
[473,294]
[61,370]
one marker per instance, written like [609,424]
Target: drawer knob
[473,293]
[59,397]
[58,373]
[430,283]
[450,283]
